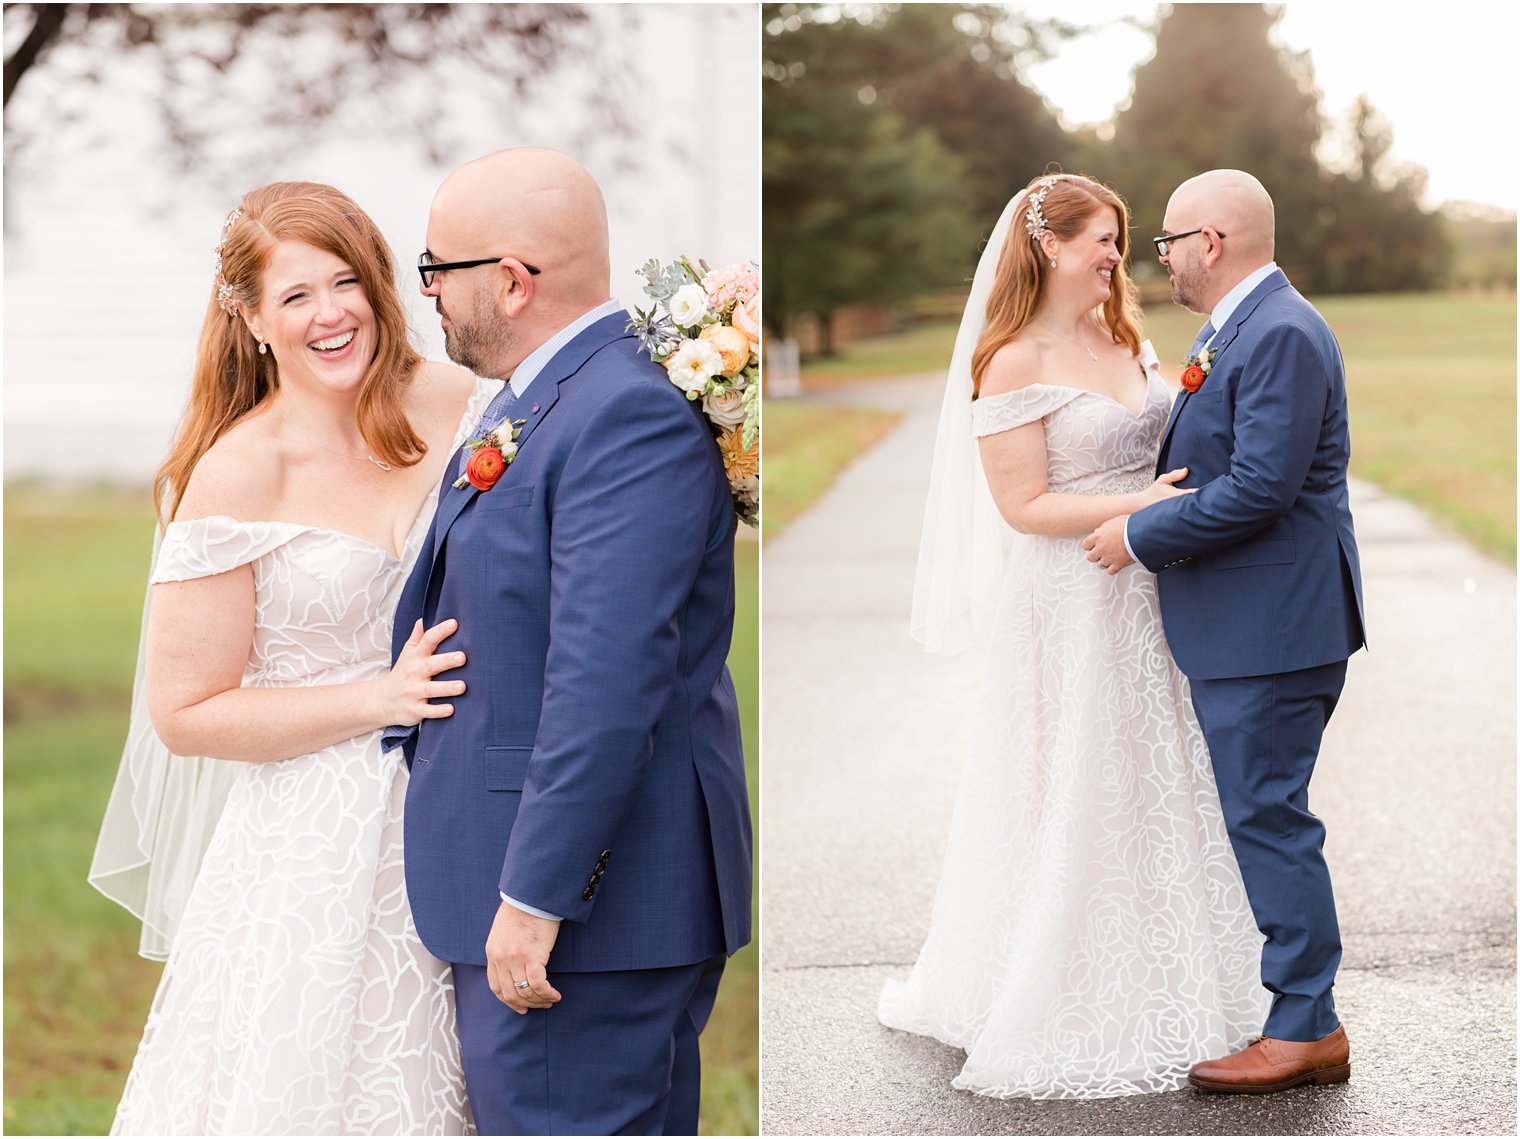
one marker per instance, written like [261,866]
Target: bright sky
[1441,74]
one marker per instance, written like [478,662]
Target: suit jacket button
[589,893]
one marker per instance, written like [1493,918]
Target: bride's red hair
[231,377]
[1021,269]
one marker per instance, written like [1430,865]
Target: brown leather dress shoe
[1271,1065]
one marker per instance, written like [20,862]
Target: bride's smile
[316,318]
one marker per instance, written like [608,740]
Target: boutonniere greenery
[490,455]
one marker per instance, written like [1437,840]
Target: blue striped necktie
[496,411]
[1203,338]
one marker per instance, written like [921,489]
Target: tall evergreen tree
[1378,238]
[859,206]
[893,137]
[1218,93]
[954,70]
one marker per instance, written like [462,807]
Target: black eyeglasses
[428,267]
[1161,242]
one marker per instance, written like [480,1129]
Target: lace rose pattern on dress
[297,998]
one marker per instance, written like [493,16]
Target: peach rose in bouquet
[746,319]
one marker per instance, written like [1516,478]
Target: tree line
[894,135]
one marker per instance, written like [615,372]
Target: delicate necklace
[382,464]
[1091,354]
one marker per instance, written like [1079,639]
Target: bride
[297,997]
[1090,935]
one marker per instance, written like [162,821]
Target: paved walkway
[863,739]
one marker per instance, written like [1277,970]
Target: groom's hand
[517,949]
[1105,545]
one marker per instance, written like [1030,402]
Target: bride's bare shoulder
[436,397]
[1013,367]
[240,476]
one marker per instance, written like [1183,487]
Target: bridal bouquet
[704,325]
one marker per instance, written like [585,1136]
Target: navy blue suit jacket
[1258,571]
[594,768]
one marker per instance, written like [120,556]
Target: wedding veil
[962,552]
[159,820]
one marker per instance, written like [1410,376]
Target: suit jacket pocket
[507,767]
[1272,552]
[504,497]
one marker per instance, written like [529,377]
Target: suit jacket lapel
[541,395]
[1222,340]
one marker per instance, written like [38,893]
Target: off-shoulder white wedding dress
[1091,935]
[297,998]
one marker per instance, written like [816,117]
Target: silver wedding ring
[521,984]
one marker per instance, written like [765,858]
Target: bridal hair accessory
[226,299]
[1034,221]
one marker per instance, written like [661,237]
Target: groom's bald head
[1234,203]
[1234,213]
[543,215]
[537,205]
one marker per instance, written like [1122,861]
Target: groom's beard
[1187,287]
[478,344]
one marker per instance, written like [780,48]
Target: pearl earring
[263,347]
[1052,262]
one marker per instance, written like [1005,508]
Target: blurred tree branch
[47,22]
[235,87]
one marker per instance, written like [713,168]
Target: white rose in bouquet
[689,305]
[693,364]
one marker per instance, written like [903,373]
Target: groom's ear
[514,286]
[1215,250]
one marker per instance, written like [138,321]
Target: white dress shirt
[533,363]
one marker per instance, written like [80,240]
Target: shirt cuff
[530,910]
[1128,549]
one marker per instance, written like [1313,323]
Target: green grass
[1431,379]
[922,348]
[731,1042]
[806,446]
[76,993]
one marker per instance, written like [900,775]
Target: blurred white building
[105,290]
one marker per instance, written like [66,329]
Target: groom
[1260,591]
[577,832]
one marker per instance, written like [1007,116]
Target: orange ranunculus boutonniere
[484,468]
[1196,369]
[490,455]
